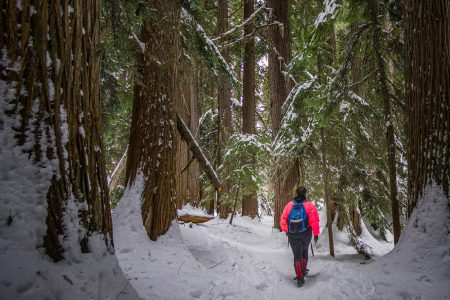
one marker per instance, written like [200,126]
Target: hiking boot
[300,282]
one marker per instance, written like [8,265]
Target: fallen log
[197,152]
[194,219]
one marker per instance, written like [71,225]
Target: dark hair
[301,192]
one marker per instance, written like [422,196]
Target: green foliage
[116,195]
[335,88]
[120,19]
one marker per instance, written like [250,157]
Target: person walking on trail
[300,221]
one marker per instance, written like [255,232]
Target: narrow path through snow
[249,260]
[215,260]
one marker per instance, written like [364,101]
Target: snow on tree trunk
[224,100]
[54,189]
[424,243]
[249,202]
[53,77]
[152,139]
[427,78]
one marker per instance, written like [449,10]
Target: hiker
[300,221]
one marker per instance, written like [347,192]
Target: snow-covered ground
[26,272]
[250,260]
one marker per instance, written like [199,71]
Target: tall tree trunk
[279,55]
[187,170]
[224,100]
[427,78]
[152,139]
[194,116]
[327,57]
[390,135]
[51,68]
[182,150]
[249,202]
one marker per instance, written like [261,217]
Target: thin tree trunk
[224,100]
[361,89]
[390,135]
[323,56]
[152,139]
[52,63]
[249,201]
[427,78]
[327,191]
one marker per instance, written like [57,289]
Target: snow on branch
[208,44]
[329,13]
[138,42]
[286,140]
[240,26]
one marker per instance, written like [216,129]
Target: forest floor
[250,260]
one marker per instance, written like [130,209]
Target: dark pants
[299,243]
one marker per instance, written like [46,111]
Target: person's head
[301,192]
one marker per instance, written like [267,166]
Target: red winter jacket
[311,211]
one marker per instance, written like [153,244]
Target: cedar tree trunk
[152,140]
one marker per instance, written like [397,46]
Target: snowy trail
[215,260]
[249,260]
[261,258]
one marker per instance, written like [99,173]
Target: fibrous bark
[187,168]
[51,56]
[249,201]
[427,78]
[279,50]
[224,100]
[152,139]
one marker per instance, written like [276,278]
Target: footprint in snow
[262,286]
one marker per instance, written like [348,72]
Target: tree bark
[194,169]
[187,170]
[52,60]
[279,52]
[249,201]
[427,78]
[224,100]
[152,140]
[390,135]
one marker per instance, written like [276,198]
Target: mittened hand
[316,238]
